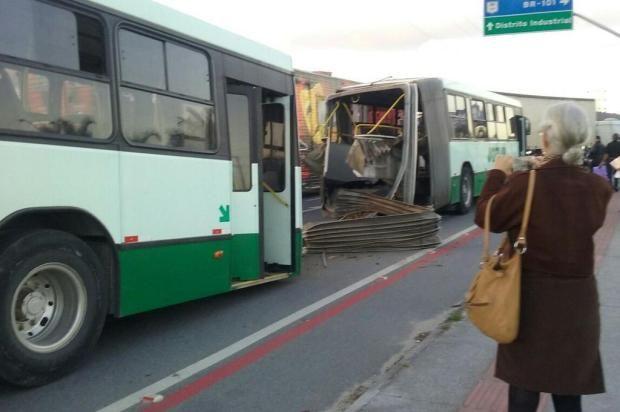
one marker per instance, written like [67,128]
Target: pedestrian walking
[557,348]
[612,152]
[597,152]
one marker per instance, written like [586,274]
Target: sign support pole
[597,24]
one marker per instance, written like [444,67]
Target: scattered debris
[421,336]
[372,223]
[153,398]
[352,203]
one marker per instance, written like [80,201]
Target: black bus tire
[466,192]
[53,304]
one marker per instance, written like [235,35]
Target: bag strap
[521,242]
[487,231]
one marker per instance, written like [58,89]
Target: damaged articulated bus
[422,141]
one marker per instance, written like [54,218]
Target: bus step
[270,278]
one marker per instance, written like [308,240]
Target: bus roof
[447,84]
[171,19]
[485,94]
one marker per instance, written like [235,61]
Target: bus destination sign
[522,16]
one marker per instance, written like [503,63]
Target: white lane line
[205,363]
[310,209]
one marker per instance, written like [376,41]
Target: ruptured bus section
[424,141]
[147,159]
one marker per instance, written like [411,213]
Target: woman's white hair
[567,128]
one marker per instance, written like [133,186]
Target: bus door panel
[278,214]
[244,126]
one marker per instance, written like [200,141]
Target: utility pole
[597,24]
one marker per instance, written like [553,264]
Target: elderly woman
[557,350]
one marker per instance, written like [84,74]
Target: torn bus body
[426,142]
[421,141]
[371,143]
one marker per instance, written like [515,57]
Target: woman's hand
[537,161]
[504,163]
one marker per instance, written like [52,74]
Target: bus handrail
[275,194]
[386,113]
[319,132]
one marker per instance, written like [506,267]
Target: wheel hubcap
[49,307]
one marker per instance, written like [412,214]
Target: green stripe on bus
[158,276]
[245,257]
[154,277]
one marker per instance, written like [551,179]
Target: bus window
[273,146]
[154,119]
[240,140]
[491,121]
[451,104]
[142,60]
[479,119]
[50,101]
[502,130]
[39,32]
[490,113]
[499,114]
[157,120]
[510,113]
[459,119]
[188,72]
[37,98]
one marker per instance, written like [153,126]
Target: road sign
[520,16]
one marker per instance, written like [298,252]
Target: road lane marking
[402,268]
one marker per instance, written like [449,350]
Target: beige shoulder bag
[494,296]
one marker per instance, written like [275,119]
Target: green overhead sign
[521,16]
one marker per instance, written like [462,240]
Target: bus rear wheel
[52,306]
[466,190]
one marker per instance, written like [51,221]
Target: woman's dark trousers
[521,400]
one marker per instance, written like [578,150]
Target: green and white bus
[426,141]
[147,158]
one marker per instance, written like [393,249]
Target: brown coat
[557,350]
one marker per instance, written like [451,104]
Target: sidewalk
[454,372]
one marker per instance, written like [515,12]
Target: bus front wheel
[466,190]
[53,305]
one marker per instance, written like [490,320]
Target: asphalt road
[312,208]
[306,366]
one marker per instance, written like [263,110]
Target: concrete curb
[423,336]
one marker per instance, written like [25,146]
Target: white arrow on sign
[565,2]
[490,26]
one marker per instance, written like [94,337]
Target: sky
[369,40]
